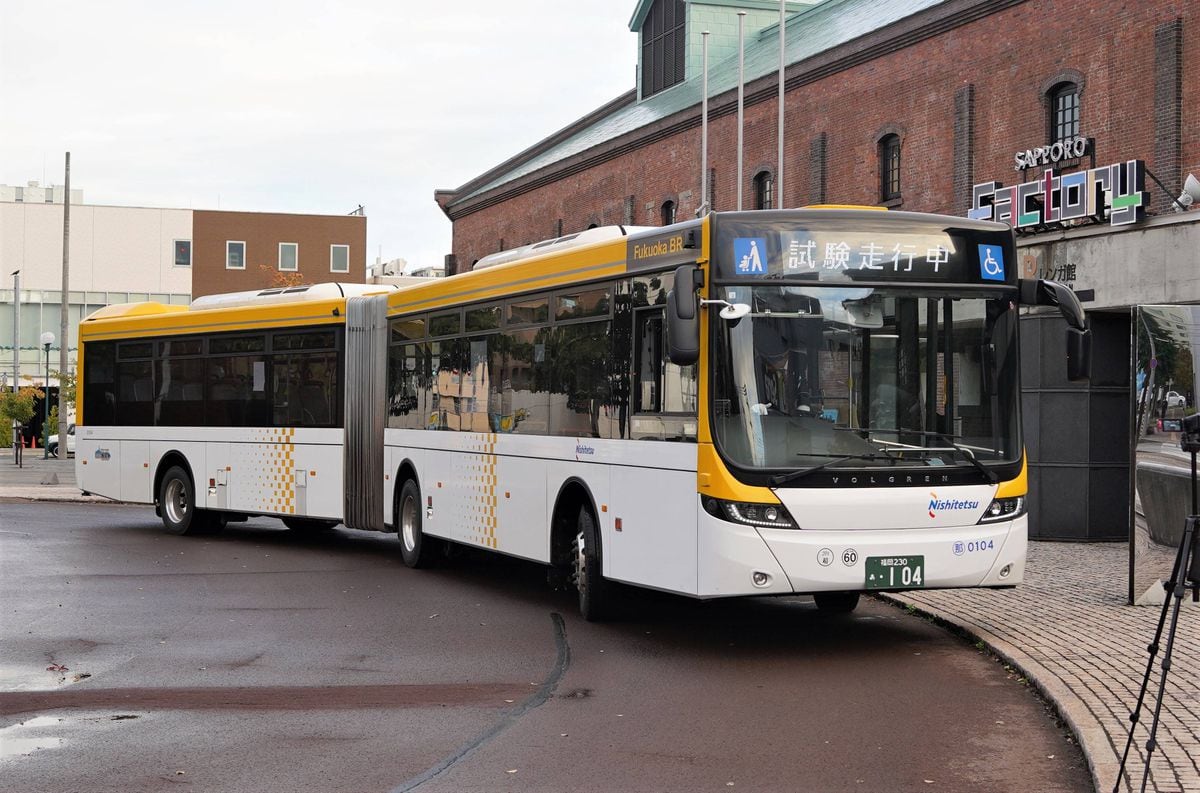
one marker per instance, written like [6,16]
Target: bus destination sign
[861,255]
[663,250]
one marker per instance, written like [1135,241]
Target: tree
[16,406]
[281,278]
[66,384]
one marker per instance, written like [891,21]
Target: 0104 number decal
[974,546]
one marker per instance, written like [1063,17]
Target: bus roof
[317,304]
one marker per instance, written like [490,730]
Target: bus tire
[177,503]
[836,602]
[596,595]
[308,525]
[416,549]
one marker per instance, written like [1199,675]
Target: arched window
[593,226]
[764,190]
[889,167]
[667,213]
[1064,111]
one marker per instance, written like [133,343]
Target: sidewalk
[26,482]
[1067,629]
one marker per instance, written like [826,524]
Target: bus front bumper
[742,560]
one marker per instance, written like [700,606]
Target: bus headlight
[1003,509]
[771,516]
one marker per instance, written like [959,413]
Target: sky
[299,106]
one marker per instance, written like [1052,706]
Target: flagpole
[782,42]
[704,131]
[741,99]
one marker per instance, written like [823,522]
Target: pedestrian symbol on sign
[749,255]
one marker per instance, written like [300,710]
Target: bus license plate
[895,572]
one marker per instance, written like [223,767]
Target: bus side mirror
[683,320]
[1051,293]
[1041,292]
[1079,354]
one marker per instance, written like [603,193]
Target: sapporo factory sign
[1115,193]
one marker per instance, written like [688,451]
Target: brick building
[239,251]
[922,105]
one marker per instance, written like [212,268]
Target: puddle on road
[13,742]
[14,678]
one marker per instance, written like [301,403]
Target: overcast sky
[299,106]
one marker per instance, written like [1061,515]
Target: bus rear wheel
[416,549]
[836,602]
[596,595]
[177,504]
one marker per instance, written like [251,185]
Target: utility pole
[16,331]
[64,313]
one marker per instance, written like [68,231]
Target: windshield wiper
[780,479]
[965,453]
[969,456]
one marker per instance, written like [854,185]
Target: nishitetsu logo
[937,505]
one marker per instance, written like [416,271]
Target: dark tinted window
[579,379]
[180,392]
[237,393]
[487,318]
[135,393]
[99,383]
[408,328]
[130,350]
[585,303]
[309,340]
[534,311]
[445,324]
[176,347]
[221,345]
[305,390]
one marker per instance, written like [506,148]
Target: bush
[16,405]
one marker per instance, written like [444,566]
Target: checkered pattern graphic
[479,480]
[273,478]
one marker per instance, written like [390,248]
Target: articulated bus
[820,401]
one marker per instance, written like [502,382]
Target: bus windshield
[825,378]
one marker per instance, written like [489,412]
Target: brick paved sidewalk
[1068,629]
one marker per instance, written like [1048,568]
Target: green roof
[809,33]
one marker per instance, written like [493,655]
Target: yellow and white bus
[821,401]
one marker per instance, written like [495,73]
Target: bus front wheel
[596,595]
[416,549]
[836,602]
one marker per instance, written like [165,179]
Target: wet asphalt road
[260,660]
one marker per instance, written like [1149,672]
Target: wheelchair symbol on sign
[991,262]
[991,266]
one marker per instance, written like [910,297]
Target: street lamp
[47,339]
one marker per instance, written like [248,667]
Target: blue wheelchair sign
[991,262]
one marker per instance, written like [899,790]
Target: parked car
[52,443]
[1175,399]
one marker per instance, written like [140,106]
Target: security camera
[1190,194]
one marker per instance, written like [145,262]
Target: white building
[118,255]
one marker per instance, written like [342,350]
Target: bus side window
[100,396]
[648,361]
[666,391]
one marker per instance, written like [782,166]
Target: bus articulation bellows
[815,401]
